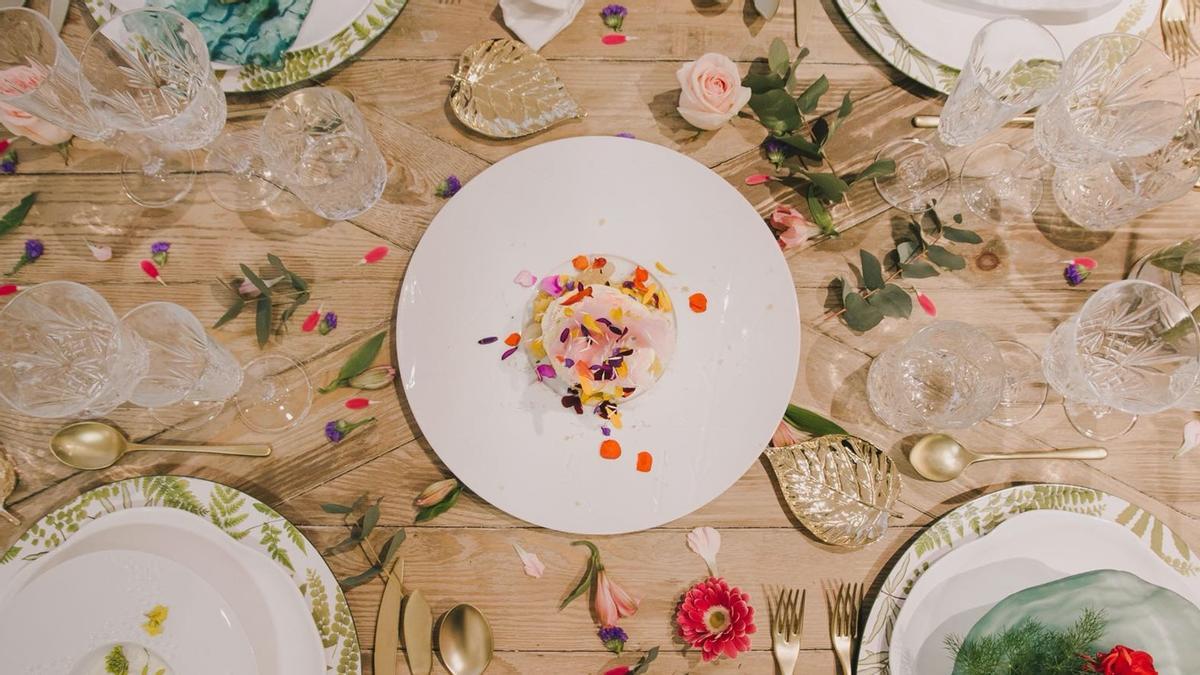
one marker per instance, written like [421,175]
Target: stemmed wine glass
[147,73]
[920,178]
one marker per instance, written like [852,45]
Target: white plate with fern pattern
[312,626]
[873,26]
[979,517]
[359,24]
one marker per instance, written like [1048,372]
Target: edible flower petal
[525,278]
[1191,438]
[151,271]
[757,179]
[925,303]
[374,255]
[706,542]
[533,565]
[101,253]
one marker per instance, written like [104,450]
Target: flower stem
[889,278]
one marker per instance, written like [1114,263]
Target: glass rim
[55,40]
[1173,72]
[189,317]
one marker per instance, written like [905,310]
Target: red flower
[619,670]
[1123,661]
[716,618]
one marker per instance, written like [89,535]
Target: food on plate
[127,659]
[244,32]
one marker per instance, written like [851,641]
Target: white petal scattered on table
[1191,438]
[534,566]
[100,253]
[706,542]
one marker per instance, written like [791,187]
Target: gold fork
[1177,36]
[787,625]
[843,622]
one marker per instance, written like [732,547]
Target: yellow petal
[662,268]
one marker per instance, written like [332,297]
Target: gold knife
[804,14]
[387,625]
[418,634]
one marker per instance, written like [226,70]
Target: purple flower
[776,151]
[625,134]
[158,252]
[614,16]
[8,166]
[1075,274]
[333,432]
[33,249]
[328,323]
[614,638]
[449,187]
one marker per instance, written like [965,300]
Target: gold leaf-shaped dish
[504,89]
[841,488]
[8,483]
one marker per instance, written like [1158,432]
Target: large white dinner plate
[943,29]
[507,436]
[1030,550]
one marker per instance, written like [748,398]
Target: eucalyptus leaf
[960,235]
[335,508]
[931,222]
[643,664]
[861,316]
[944,258]
[359,361]
[296,281]
[829,186]
[795,65]
[760,83]
[847,289]
[766,8]
[393,545]
[918,237]
[342,546]
[820,131]
[905,249]
[256,280]
[16,215]
[893,301]
[776,110]
[872,271]
[957,218]
[262,319]
[369,520]
[431,512]
[777,57]
[810,422]
[811,97]
[918,270]
[882,167]
[802,145]
[360,579]
[235,309]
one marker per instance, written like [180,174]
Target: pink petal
[926,303]
[545,371]
[1087,263]
[551,286]
[616,39]
[784,435]
[757,179]
[151,271]
[534,567]
[8,289]
[374,255]
[705,542]
[358,403]
[525,278]
[101,253]
[310,323]
[1191,438]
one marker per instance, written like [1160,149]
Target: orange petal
[698,302]
[580,262]
[644,461]
[513,340]
[610,449]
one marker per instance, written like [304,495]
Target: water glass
[1118,96]
[316,142]
[948,375]
[184,362]
[1133,349]
[1012,67]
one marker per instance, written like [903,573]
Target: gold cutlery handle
[1065,453]
[239,450]
[932,121]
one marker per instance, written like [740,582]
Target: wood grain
[466,555]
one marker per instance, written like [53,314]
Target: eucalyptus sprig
[793,121]
[263,294]
[918,254]
[357,364]
[362,522]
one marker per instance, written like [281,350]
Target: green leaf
[16,215]
[883,167]
[431,512]
[342,546]
[820,214]
[960,235]
[803,145]
[362,499]
[776,110]
[369,520]
[808,101]
[297,282]
[810,422]
[957,218]
[945,259]
[643,663]
[232,313]
[861,316]
[893,301]
[820,132]
[360,579]
[761,83]
[335,508]
[262,319]
[905,250]
[589,574]
[915,230]
[393,545]
[256,280]
[918,270]
[847,289]
[359,361]
[931,221]
[872,271]
[845,108]
[777,59]
[829,187]
[795,64]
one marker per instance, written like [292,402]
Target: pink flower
[436,492]
[712,91]
[925,303]
[784,435]
[793,227]
[612,602]
[716,618]
[35,129]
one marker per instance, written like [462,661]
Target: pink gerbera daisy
[716,618]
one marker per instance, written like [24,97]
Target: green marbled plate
[249,521]
[301,64]
[982,515]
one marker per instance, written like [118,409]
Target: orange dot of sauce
[579,262]
[698,302]
[610,449]
[644,461]
[513,340]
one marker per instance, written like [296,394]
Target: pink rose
[35,129]
[712,91]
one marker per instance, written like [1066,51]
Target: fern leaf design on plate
[225,511]
[10,554]
[841,488]
[172,492]
[504,89]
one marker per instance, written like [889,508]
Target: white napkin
[536,21]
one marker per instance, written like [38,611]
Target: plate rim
[978,517]
[301,64]
[230,510]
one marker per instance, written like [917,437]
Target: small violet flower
[614,638]
[1076,274]
[33,250]
[337,430]
[8,156]
[449,187]
[328,323]
[614,16]
[776,151]
[159,251]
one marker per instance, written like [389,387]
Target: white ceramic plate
[1029,550]
[507,436]
[943,29]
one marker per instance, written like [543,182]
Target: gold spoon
[95,445]
[465,640]
[938,457]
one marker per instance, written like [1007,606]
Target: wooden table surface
[466,555]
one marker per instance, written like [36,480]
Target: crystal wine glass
[147,72]
[1118,96]
[1133,349]
[1012,67]
[236,174]
[920,178]
[1001,184]
[317,143]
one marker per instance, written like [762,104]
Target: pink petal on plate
[1191,438]
[101,253]
[534,567]
[926,303]
[705,542]
[525,278]
[545,371]
[757,179]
